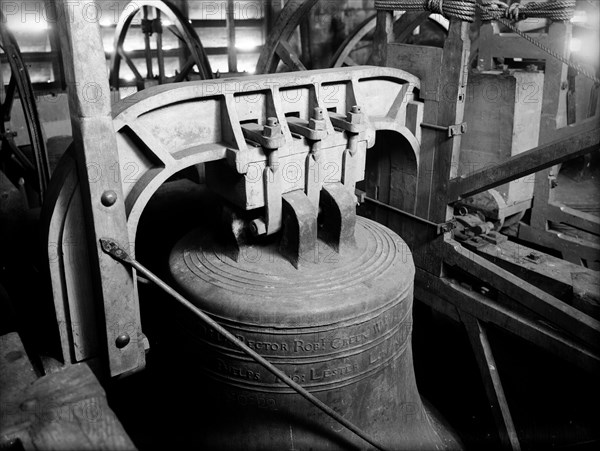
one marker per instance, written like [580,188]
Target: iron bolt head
[108,198]
[317,113]
[355,115]
[271,121]
[258,227]
[122,341]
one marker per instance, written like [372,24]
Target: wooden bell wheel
[27,162]
[353,50]
[356,48]
[153,13]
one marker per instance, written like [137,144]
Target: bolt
[271,128]
[108,198]
[354,116]
[122,341]
[564,85]
[258,227]
[317,122]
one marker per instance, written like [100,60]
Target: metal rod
[113,249]
[440,228]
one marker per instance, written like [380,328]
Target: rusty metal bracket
[314,129]
[440,228]
[353,122]
[269,136]
[452,130]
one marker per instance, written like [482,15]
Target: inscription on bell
[302,346]
[325,373]
[243,373]
[343,342]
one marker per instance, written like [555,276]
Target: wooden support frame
[573,335]
[104,207]
[545,208]
[443,74]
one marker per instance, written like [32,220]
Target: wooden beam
[96,153]
[491,381]
[231,49]
[578,140]
[571,320]
[447,296]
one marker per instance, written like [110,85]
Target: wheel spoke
[131,65]
[350,62]
[288,56]
[185,69]
[8,98]
[174,30]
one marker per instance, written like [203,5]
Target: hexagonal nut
[354,118]
[271,131]
[316,124]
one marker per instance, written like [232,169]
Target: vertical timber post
[99,175]
[554,116]
[443,74]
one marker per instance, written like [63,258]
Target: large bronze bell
[337,319]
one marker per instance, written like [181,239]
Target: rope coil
[451,9]
[586,72]
[554,10]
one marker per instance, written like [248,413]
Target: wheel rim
[184,31]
